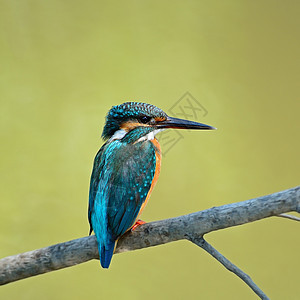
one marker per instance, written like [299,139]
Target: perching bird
[126,169]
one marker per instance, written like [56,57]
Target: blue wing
[120,182]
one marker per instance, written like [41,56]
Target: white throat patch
[150,136]
[119,134]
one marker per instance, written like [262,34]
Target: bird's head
[148,118]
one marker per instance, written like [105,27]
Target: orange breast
[156,174]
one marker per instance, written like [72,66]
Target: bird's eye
[145,119]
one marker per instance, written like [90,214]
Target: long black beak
[183,124]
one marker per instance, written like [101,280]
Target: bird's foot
[137,224]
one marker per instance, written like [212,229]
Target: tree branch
[188,227]
[291,217]
[201,242]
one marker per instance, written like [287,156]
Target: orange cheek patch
[127,126]
[159,119]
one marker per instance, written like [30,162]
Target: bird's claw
[137,224]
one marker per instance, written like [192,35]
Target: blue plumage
[120,182]
[126,169]
[129,111]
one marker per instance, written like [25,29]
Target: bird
[126,169]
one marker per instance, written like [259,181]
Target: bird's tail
[106,252]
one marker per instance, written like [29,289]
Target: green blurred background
[65,63]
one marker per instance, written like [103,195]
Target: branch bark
[189,227]
[229,266]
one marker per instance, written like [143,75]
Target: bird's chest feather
[138,162]
[125,175]
[157,154]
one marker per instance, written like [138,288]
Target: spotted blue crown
[129,111]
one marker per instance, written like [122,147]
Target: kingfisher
[126,169]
